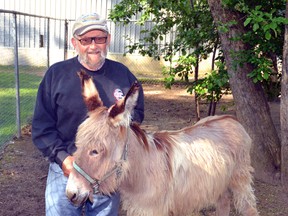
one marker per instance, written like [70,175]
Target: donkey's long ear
[120,113]
[89,91]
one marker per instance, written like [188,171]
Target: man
[60,109]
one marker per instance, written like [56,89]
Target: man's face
[92,53]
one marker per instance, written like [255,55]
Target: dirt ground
[23,170]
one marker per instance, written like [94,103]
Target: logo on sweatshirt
[118,94]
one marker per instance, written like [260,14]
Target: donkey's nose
[71,196]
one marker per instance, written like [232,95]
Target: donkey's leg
[243,194]
[223,204]
[244,200]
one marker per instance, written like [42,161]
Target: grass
[28,82]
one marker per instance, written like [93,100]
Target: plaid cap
[88,22]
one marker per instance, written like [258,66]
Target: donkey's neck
[149,166]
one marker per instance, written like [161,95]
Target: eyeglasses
[88,40]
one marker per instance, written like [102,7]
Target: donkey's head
[100,142]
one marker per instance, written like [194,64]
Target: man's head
[91,39]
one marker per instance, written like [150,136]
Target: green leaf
[267,35]
[247,21]
[255,27]
[266,75]
[285,21]
[273,25]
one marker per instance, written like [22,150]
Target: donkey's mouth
[78,199]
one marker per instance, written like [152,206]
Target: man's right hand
[67,165]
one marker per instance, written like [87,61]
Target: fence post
[48,42]
[16,71]
[65,39]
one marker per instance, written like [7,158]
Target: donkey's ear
[89,91]
[120,113]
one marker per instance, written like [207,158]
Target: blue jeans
[57,204]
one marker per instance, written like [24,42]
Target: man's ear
[108,39]
[74,42]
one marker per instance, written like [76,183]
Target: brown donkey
[162,173]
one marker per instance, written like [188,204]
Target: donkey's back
[218,158]
[193,168]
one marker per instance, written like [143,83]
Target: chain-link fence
[29,45]
[21,68]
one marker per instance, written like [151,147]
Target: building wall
[61,9]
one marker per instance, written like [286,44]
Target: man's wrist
[61,156]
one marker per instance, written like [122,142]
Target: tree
[284,110]
[246,94]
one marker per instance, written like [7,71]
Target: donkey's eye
[94,152]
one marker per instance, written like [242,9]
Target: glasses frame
[90,39]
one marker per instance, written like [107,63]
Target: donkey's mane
[140,134]
[161,139]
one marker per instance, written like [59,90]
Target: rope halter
[95,183]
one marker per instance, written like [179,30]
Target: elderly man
[60,109]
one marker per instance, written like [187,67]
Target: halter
[95,183]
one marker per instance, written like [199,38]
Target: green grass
[29,81]
[24,69]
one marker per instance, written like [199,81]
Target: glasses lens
[97,40]
[100,40]
[86,41]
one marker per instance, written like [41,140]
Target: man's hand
[67,165]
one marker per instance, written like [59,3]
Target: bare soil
[23,170]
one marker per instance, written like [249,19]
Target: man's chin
[95,65]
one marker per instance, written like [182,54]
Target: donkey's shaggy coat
[167,172]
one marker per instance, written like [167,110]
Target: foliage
[214,85]
[195,35]
[194,39]
[264,23]
[192,22]
[182,70]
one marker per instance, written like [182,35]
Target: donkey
[161,173]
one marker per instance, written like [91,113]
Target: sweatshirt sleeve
[44,133]
[138,114]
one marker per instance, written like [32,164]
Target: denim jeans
[57,203]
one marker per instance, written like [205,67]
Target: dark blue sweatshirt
[60,109]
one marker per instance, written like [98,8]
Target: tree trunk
[252,108]
[214,53]
[284,111]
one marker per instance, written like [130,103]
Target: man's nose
[93,44]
